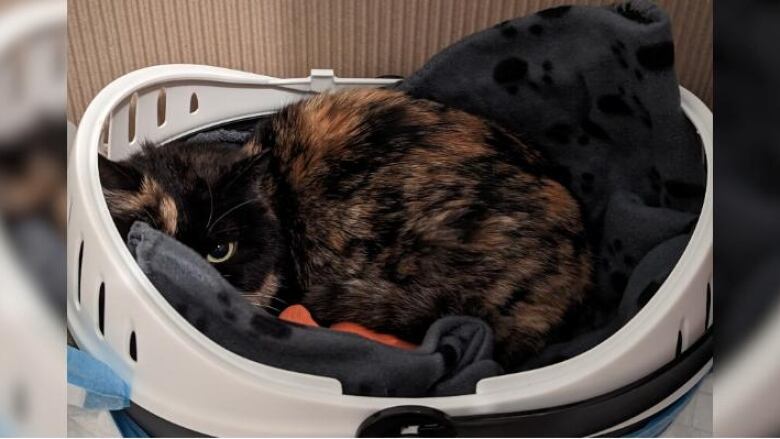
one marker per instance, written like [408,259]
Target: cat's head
[209,197]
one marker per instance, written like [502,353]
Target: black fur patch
[536,29]
[517,296]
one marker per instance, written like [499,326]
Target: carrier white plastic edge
[182,376]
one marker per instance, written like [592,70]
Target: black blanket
[595,89]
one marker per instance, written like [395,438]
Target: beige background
[286,38]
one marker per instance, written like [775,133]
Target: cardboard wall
[286,38]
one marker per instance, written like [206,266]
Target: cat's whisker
[211,205]
[231,210]
[266,307]
[268,296]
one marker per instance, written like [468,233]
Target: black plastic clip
[407,421]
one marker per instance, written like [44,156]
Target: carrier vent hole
[678,349]
[161,102]
[193,103]
[133,350]
[131,118]
[708,319]
[104,136]
[102,309]
[78,281]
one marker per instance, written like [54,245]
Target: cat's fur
[373,207]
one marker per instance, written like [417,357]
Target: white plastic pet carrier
[185,381]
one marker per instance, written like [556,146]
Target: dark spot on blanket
[547,79]
[629,261]
[556,12]
[617,245]
[639,75]
[223,298]
[547,65]
[511,89]
[648,293]
[656,56]
[229,315]
[619,280]
[509,70]
[560,132]
[268,325]
[587,186]
[508,31]
[679,189]
[536,29]
[594,130]
[583,140]
[587,176]
[614,104]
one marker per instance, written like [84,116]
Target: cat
[373,207]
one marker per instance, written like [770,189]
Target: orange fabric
[299,314]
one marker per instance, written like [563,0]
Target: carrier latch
[407,421]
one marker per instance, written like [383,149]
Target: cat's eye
[222,252]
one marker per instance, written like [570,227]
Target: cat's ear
[116,176]
[261,140]
[250,169]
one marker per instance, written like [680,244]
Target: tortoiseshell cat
[373,207]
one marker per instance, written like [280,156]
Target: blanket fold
[455,354]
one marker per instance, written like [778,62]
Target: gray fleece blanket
[455,354]
[594,88]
